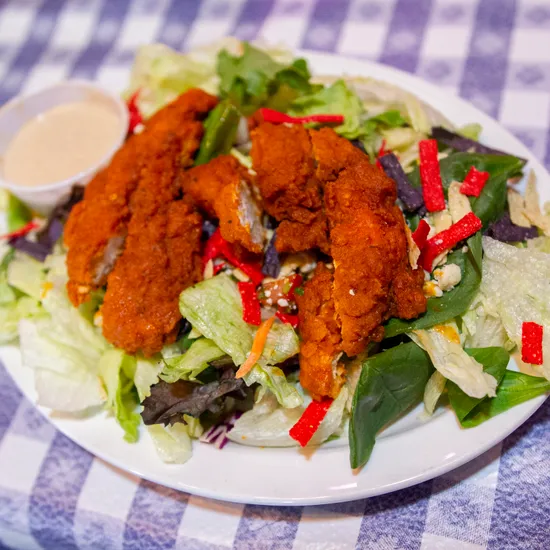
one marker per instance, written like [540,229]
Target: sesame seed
[352,292]
[269,301]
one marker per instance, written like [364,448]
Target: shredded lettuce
[454,363]
[433,391]
[160,74]
[26,274]
[172,443]
[214,308]
[268,424]
[515,288]
[146,375]
[117,372]
[189,365]
[63,348]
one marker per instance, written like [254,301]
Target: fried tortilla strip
[222,189]
[373,278]
[97,227]
[320,372]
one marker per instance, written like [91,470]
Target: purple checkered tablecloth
[495,53]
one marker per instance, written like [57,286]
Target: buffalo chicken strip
[97,227]
[372,279]
[293,165]
[222,189]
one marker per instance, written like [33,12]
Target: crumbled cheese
[208,270]
[465,249]
[427,275]
[267,293]
[448,276]
[98,319]
[282,302]
[269,302]
[459,204]
[304,261]
[352,292]
[240,276]
[431,289]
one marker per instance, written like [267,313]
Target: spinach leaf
[391,119]
[492,202]
[515,388]
[452,303]
[390,383]
[494,361]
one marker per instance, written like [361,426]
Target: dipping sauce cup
[56,138]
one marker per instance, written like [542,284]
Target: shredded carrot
[257,348]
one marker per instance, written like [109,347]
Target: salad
[278,260]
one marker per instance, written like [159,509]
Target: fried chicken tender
[97,227]
[161,258]
[373,278]
[293,166]
[222,188]
[282,157]
[321,345]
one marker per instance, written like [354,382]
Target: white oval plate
[410,452]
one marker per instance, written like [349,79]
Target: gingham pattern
[496,53]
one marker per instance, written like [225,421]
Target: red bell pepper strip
[21,232]
[269,115]
[531,343]
[309,422]
[134,112]
[445,240]
[252,314]
[474,182]
[420,236]
[432,188]
[217,246]
[288,319]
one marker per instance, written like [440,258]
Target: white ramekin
[17,112]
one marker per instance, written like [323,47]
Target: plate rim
[521,413]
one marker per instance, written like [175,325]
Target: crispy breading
[222,188]
[369,248]
[293,166]
[160,259]
[282,157]
[97,227]
[333,154]
[321,345]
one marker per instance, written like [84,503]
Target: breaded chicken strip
[160,259]
[321,344]
[222,189]
[97,227]
[373,278]
[282,157]
[293,166]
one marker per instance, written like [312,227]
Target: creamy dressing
[60,143]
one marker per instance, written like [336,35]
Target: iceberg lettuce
[189,365]
[453,363]
[515,288]
[117,373]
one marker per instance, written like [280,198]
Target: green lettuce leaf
[146,375]
[26,275]
[17,213]
[173,443]
[117,372]
[336,99]
[214,307]
[255,79]
[189,365]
